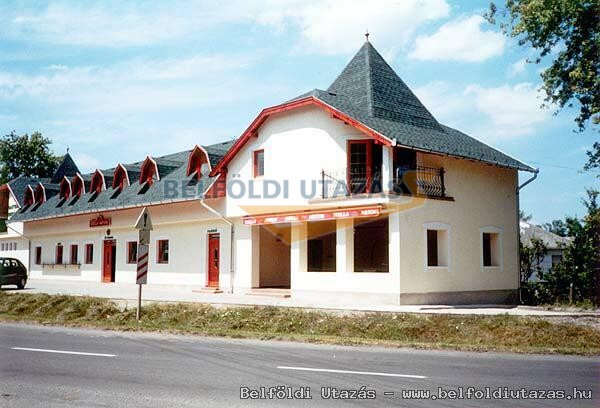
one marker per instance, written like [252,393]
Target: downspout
[232,245]
[535,174]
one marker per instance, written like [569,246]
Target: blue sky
[115,81]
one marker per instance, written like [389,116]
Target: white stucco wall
[185,225]
[297,146]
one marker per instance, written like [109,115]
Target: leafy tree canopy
[26,155]
[568,31]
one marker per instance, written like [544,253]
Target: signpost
[144,226]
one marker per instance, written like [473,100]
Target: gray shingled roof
[552,241]
[174,185]
[369,91]
[66,168]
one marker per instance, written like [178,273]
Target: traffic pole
[139,305]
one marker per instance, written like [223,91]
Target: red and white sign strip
[142,265]
[359,212]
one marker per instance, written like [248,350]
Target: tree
[531,258]
[524,217]
[581,262]
[569,31]
[26,156]
[565,228]
[593,159]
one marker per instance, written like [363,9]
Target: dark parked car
[12,272]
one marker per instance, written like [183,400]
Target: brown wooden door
[108,261]
[214,249]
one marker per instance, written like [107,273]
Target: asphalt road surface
[58,367]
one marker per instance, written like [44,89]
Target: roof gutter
[519,188]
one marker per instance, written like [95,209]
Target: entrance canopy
[317,215]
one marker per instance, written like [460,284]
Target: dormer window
[65,189]
[28,196]
[77,186]
[149,172]
[40,193]
[198,157]
[120,178]
[97,184]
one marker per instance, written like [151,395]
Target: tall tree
[26,155]
[581,263]
[568,31]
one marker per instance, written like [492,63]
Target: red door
[214,248]
[108,261]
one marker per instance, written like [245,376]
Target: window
[437,247]
[74,253]
[89,253]
[132,252]
[163,251]
[556,259]
[38,255]
[371,250]
[321,246]
[259,163]
[59,254]
[490,249]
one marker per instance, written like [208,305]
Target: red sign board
[100,221]
[314,216]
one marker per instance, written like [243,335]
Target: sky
[114,81]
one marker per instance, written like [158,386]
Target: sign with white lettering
[360,212]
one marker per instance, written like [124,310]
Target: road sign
[144,223]
[142,264]
[144,237]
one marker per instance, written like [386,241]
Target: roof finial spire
[367,35]
[67,149]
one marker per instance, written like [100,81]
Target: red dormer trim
[40,193]
[77,185]
[120,178]
[28,196]
[65,188]
[198,156]
[97,184]
[149,171]
[252,130]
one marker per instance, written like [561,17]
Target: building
[555,244]
[356,191]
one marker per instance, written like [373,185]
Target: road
[38,368]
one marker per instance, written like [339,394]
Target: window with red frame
[132,252]
[74,253]
[162,255]
[89,253]
[59,254]
[38,255]
[259,163]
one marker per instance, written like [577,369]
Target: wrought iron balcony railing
[417,181]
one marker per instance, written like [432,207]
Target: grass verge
[476,333]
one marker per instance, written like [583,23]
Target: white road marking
[79,353]
[325,370]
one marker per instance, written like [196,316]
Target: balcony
[408,180]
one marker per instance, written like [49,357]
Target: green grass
[477,333]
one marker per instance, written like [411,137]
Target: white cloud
[334,27]
[489,113]
[327,26]
[461,39]
[517,68]
[138,85]
[86,163]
